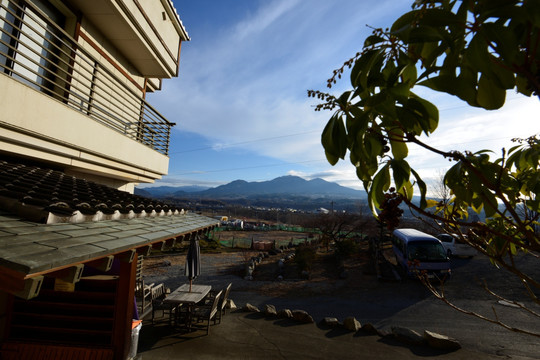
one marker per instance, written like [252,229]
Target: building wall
[34,125]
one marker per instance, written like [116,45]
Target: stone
[230,304]
[302,316]
[280,277]
[407,336]
[330,321]
[251,308]
[285,314]
[370,329]
[270,310]
[442,342]
[350,323]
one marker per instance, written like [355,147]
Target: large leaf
[381,183]
[401,171]
[363,66]
[422,187]
[490,95]
[334,139]
[402,26]
[398,145]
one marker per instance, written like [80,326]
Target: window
[29,47]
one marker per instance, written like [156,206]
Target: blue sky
[240,101]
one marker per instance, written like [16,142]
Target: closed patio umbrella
[193,261]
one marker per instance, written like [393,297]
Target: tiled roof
[51,221]
[29,248]
[50,196]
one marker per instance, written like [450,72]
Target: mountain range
[282,186]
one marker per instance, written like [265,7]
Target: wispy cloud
[246,79]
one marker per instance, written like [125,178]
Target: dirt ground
[326,273]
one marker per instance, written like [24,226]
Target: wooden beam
[124,309]
[71,274]
[31,289]
[103,264]
[144,250]
[160,245]
[128,256]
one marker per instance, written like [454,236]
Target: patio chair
[158,295]
[223,302]
[207,313]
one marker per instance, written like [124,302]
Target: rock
[302,316]
[330,321]
[442,342]
[370,329]
[251,308]
[305,274]
[230,304]
[407,336]
[280,277]
[270,310]
[285,314]
[385,333]
[351,324]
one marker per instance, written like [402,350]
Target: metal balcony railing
[35,49]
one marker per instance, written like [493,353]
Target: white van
[454,246]
[418,251]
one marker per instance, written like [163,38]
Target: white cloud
[244,87]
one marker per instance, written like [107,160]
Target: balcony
[36,51]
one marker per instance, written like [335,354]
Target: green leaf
[423,34]
[423,189]
[490,96]
[438,17]
[402,26]
[334,139]
[430,52]
[409,75]
[401,171]
[381,183]
[372,40]
[363,66]
[407,190]
[459,86]
[430,115]
[343,100]
[490,203]
[398,145]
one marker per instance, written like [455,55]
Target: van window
[428,251]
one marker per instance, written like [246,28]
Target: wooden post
[124,308]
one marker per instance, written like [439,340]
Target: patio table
[182,296]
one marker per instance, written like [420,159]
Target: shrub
[304,256]
[345,248]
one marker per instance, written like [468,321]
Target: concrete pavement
[243,335]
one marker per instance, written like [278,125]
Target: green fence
[250,243]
